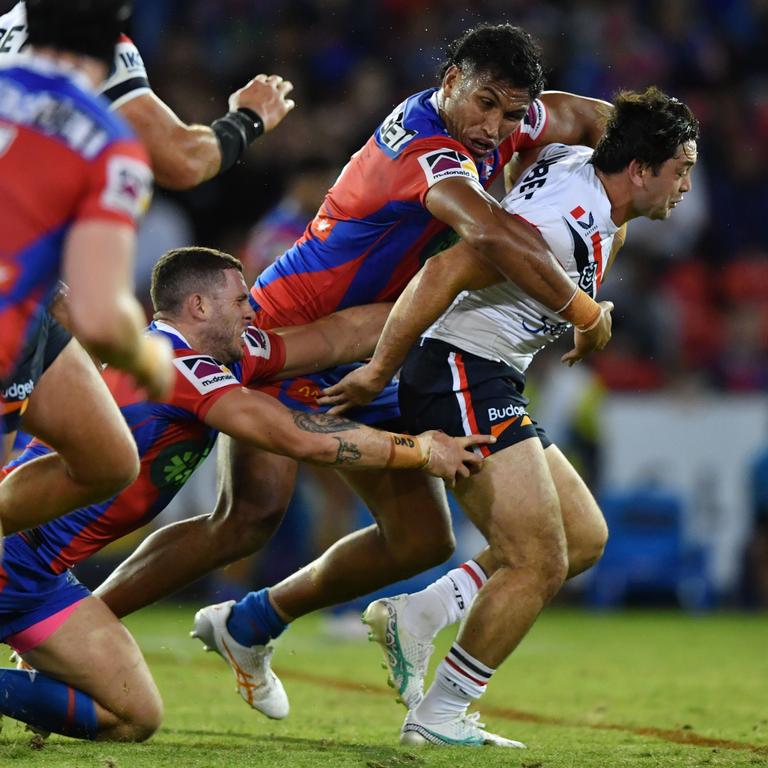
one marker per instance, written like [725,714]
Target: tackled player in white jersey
[468,374]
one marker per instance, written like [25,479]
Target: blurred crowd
[691,293]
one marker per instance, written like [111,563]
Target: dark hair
[647,127]
[183,271]
[505,52]
[89,27]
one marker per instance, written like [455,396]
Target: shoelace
[473,720]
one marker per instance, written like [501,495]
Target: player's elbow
[483,238]
[179,172]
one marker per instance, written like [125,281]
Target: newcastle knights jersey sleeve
[127,77]
[201,379]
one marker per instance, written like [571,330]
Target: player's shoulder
[413,124]
[195,371]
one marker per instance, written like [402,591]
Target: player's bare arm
[518,251]
[337,442]
[105,315]
[343,337]
[183,155]
[571,119]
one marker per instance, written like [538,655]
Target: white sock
[459,680]
[443,602]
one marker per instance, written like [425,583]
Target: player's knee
[553,569]
[244,527]
[589,548]
[416,553]
[108,477]
[141,722]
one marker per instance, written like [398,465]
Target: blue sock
[46,703]
[253,620]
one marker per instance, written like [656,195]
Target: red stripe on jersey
[467,398]
[597,250]
[471,571]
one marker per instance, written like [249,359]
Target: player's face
[479,111]
[665,189]
[231,314]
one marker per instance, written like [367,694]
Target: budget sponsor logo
[505,412]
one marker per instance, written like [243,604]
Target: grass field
[583,691]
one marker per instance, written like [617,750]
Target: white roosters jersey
[562,197]
[126,79]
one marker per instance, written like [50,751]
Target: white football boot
[406,656]
[258,685]
[462,731]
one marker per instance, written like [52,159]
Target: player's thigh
[514,503]
[93,652]
[252,481]
[406,504]
[583,520]
[72,410]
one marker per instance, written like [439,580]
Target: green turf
[579,691]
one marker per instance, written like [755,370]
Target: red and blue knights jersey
[172,439]
[64,158]
[373,230]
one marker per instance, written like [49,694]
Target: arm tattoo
[348,453]
[322,422]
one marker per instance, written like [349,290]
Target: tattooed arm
[320,438]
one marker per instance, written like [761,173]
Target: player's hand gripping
[266,95]
[452,458]
[358,387]
[592,339]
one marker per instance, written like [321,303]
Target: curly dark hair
[506,53]
[647,127]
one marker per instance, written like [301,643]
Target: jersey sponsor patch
[205,373]
[257,343]
[129,186]
[447,163]
[534,121]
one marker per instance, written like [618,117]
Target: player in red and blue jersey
[73,180]
[77,646]
[422,174]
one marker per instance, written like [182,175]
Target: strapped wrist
[581,310]
[235,132]
[408,452]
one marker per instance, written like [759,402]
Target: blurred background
[669,425]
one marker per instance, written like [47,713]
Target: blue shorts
[29,591]
[444,387]
[302,392]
